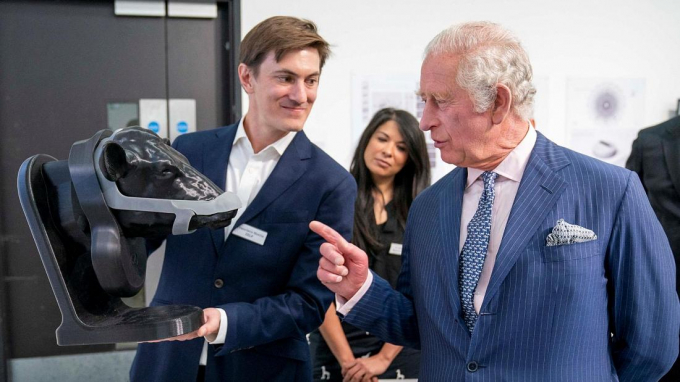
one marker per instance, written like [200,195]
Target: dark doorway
[61,64]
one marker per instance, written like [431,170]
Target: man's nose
[427,121]
[299,92]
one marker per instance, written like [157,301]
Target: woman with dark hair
[391,167]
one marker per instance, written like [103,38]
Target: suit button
[219,283]
[472,367]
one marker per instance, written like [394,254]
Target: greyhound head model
[153,189]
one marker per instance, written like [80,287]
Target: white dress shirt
[510,172]
[247,171]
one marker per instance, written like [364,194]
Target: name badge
[395,249]
[250,233]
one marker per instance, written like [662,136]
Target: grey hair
[489,55]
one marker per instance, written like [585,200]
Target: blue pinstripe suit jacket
[604,310]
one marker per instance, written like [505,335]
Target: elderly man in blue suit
[528,262]
[256,279]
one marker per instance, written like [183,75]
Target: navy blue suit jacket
[270,293]
[603,310]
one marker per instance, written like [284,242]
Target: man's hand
[343,267]
[209,329]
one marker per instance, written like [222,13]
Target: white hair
[489,55]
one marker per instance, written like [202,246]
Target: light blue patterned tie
[474,250]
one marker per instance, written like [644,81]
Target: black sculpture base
[89,314]
[131,325]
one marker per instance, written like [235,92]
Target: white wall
[576,38]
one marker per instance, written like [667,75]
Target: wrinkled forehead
[438,70]
[438,75]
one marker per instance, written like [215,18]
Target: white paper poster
[604,115]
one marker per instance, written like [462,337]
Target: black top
[386,262]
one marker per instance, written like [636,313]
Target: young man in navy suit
[528,262]
[256,279]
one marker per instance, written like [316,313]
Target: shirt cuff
[343,306]
[222,332]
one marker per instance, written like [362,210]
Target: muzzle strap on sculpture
[184,210]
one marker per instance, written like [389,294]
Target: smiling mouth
[295,108]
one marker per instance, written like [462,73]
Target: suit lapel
[215,160]
[451,207]
[539,190]
[671,153]
[290,168]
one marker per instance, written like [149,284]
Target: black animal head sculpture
[144,165]
[90,217]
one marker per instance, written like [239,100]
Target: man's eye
[285,79]
[312,81]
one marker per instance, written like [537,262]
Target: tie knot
[489,177]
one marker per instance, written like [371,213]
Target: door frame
[234,33]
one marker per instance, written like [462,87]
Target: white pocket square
[564,233]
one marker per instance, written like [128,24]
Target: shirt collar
[240,133]
[512,167]
[279,146]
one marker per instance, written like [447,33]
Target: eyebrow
[289,72]
[438,95]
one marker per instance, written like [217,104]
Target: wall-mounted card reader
[182,117]
[153,115]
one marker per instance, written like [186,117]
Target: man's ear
[113,162]
[502,105]
[246,76]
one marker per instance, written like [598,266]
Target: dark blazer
[270,293]
[593,311]
[656,160]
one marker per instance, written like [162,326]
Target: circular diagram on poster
[607,103]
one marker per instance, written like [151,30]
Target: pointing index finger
[328,233]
